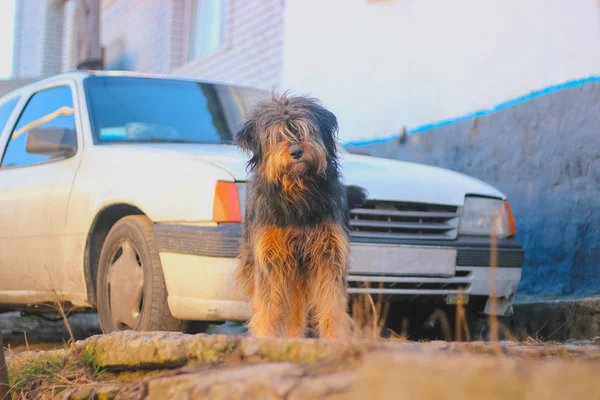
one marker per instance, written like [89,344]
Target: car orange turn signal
[512,227]
[226,206]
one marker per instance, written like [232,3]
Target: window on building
[206,27]
[50,114]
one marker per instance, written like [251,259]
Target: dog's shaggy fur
[295,247]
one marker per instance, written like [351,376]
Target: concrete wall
[384,64]
[544,154]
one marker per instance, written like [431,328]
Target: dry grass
[45,376]
[369,316]
[52,373]
[461,324]
[370,312]
[61,311]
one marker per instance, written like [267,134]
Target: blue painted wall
[543,152]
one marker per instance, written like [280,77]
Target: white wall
[380,65]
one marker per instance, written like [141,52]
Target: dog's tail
[356,196]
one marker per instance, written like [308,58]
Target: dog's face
[290,138]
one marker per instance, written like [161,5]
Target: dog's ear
[327,121]
[328,125]
[247,141]
[246,138]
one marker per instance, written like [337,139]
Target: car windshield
[129,109]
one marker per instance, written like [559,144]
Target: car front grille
[397,220]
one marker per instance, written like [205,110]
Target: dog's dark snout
[296,152]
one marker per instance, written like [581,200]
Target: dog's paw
[356,195]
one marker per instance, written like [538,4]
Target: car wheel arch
[104,220]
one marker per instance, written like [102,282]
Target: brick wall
[38,38]
[252,47]
[29,36]
[137,30]
[153,39]
[151,36]
[69,54]
[53,39]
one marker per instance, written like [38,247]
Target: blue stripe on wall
[501,106]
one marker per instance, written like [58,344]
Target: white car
[123,193]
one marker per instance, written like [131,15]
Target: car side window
[45,130]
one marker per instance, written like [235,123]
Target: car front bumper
[199,264]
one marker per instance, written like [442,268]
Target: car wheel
[131,289]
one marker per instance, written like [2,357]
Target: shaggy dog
[295,246]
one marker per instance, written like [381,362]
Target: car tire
[131,289]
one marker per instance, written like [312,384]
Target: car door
[36,174]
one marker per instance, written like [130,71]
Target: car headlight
[485,217]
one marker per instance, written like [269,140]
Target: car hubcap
[126,286]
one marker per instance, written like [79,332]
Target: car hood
[384,179]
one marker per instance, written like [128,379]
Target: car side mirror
[53,142]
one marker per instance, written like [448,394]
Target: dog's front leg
[245,271]
[297,306]
[329,249]
[273,263]
[269,306]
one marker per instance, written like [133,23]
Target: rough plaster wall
[252,50]
[544,154]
